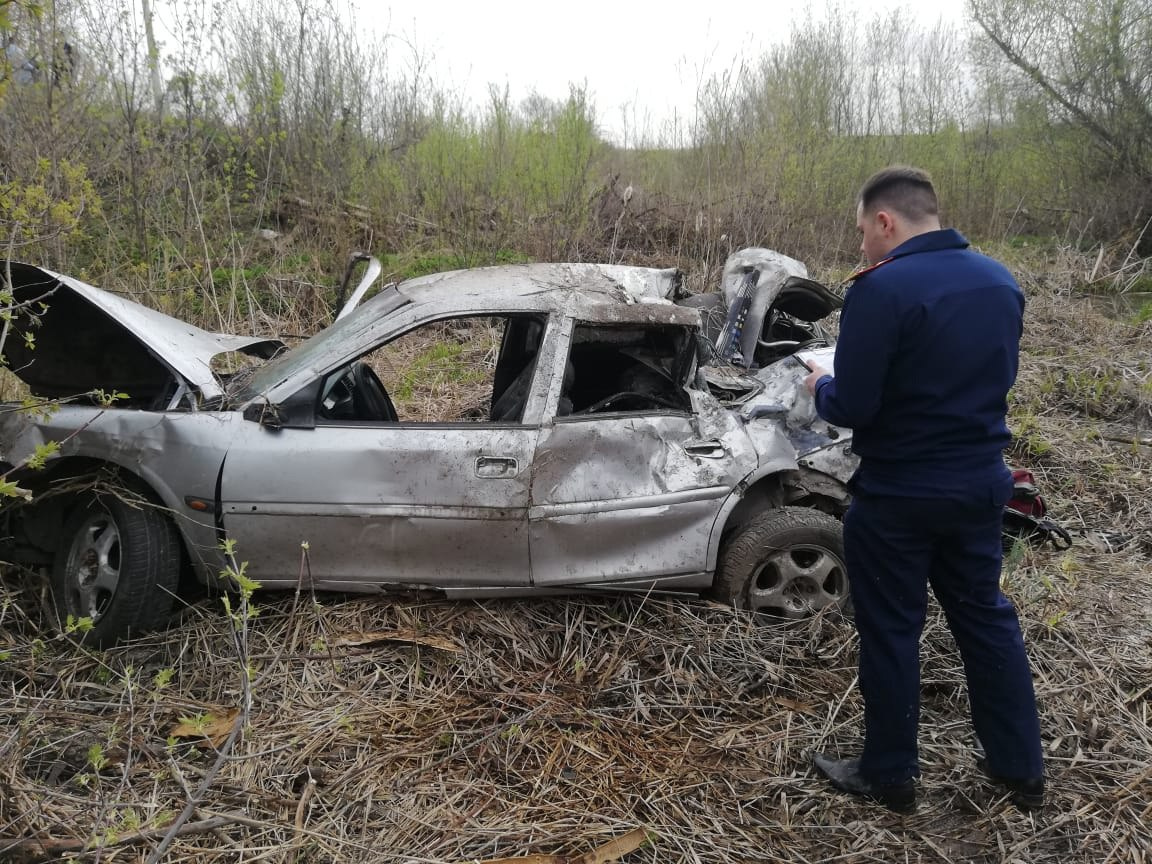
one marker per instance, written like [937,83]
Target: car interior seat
[509,407]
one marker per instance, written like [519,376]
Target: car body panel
[177,454]
[381,504]
[772,270]
[615,496]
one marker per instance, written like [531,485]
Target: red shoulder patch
[867,269]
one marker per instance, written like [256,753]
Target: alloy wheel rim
[92,572]
[797,581]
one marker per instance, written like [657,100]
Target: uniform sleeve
[869,332]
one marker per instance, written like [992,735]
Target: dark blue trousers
[894,548]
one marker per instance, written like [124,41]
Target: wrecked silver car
[509,430]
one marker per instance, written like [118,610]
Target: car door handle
[496,466]
[711,449]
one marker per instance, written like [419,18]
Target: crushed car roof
[597,291]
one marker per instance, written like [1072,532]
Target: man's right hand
[815,375]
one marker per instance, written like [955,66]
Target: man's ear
[886,222]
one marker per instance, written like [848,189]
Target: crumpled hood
[86,339]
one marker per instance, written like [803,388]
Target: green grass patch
[226,275]
[440,362]
[1143,314]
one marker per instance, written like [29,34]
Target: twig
[301,816]
[36,848]
[190,808]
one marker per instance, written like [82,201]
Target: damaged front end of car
[767,314]
[780,548]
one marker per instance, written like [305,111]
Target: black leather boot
[1027,794]
[844,774]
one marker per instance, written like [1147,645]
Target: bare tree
[1091,61]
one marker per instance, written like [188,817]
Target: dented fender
[836,462]
[153,446]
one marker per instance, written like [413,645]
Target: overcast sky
[642,61]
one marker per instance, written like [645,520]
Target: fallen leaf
[355,639]
[611,851]
[215,727]
[616,849]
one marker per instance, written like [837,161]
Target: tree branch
[1041,80]
[31,849]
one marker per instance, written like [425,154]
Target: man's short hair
[908,191]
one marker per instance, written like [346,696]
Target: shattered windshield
[347,330]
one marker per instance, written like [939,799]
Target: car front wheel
[787,562]
[117,566]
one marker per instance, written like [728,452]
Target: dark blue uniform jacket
[928,350]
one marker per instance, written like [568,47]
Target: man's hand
[815,375]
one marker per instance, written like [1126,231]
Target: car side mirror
[298,411]
[264,413]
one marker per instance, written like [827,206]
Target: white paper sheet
[819,356]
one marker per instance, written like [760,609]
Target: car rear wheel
[118,565]
[787,562]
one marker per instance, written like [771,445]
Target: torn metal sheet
[772,269]
[639,284]
[370,276]
[783,403]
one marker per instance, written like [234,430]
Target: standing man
[928,349]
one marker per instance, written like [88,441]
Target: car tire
[118,564]
[787,562]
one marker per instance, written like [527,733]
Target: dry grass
[414,731]
[441,373]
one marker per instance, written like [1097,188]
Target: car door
[629,489]
[436,499]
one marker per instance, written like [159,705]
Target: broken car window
[627,368]
[476,369]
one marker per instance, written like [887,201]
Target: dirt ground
[408,730]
